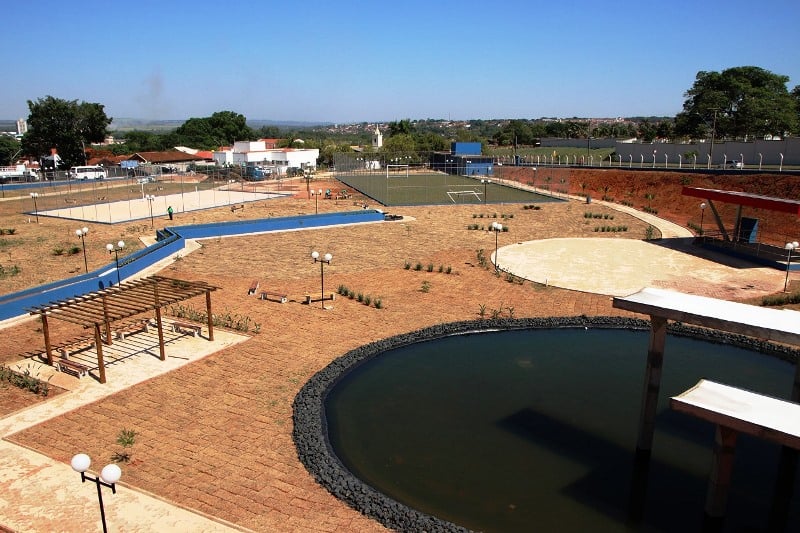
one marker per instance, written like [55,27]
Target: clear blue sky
[353,61]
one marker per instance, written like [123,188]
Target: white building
[377,139]
[255,153]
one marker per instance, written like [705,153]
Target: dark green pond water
[535,430]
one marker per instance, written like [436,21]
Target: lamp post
[108,478]
[485,182]
[702,212]
[789,247]
[316,200]
[496,228]
[111,248]
[35,195]
[81,233]
[324,260]
[150,198]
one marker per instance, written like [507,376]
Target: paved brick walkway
[214,436]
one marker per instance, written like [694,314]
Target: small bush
[430,267]
[360,297]
[448,270]
[367,300]
[418,266]
[58,251]
[426,286]
[378,303]
[407,265]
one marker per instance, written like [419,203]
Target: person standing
[170,212]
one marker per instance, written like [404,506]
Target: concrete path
[38,493]
[619,267]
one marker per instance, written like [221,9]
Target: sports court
[111,212]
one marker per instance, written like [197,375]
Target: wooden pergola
[102,308]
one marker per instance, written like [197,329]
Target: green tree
[738,102]
[9,150]
[400,144]
[402,127]
[221,128]
[66,125]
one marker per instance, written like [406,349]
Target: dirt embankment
[662,192]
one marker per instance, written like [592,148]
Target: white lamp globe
[110,247]
[111,473]
[328,257]
[78,232]
[314,255]
[121,244]
[81,462]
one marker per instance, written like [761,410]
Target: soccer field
[411,188]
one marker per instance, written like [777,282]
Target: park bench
[138,326]
[236,207]
[74,347]
[253,287]
[71,367]
[71,200]
[308,297]
[278,297]
[181,327]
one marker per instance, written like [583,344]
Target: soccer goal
[456,196]
[397,171]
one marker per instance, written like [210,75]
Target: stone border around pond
[310,431]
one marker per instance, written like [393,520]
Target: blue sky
[353,61]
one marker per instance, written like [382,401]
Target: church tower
[377,139]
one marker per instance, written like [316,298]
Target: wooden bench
[71,200]
[140,326]
[181,327]
[309,298]
[282,298]
[74,347]
[253,287]
[236,207]
[71,367]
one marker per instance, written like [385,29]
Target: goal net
[397,171]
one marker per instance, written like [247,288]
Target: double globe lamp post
[108,478]
[326,259]
[81,233]
[496,228]
[116,249]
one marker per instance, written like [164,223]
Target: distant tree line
[737,103]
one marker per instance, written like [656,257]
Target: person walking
[169,212]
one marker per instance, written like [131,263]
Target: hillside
[661,191]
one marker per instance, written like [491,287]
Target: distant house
[173,158]
[277,160]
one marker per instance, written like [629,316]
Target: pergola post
[721,473]
[652,383]
[48,348]
[106,321]
[210,316]
[98,341]
[161,352]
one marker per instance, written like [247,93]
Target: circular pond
[530,428]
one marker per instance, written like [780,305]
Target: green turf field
[401,188]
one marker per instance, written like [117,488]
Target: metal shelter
[100,309]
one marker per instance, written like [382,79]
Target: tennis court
[403,185]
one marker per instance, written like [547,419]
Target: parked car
[734,163]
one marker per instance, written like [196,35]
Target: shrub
[448,270]
[430,267]
[367,300]
[441,268]
[426,286]
[378,303]
[360,297]
[58,251]
[418,266]
[407,265]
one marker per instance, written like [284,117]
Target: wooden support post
[721,472]
[161,352]
[107,322]
[652,383]
[48,347]
[98,342]
[210,316]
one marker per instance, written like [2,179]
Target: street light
[35,195]
[108,478]
[326,259]
[116,249]
[702,212]
[316,195]
[82,234]
[485,183]
[150,198]
[496,228]
[789,247]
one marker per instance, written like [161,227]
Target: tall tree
[66,125]
[222,127]
[403,127]
[9,150]
[738,102]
